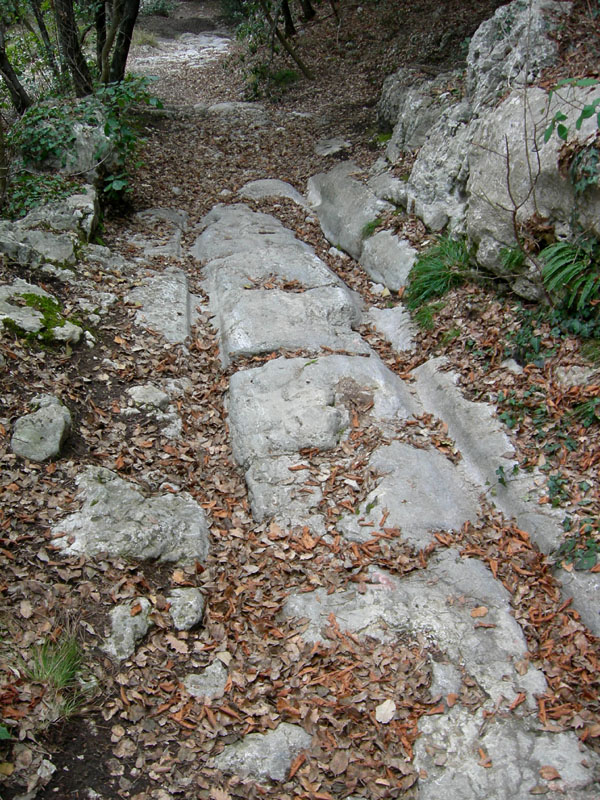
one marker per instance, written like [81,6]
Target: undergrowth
[442,267]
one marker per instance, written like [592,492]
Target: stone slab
[118,519]
[395,325]
[421,490]
[271,187]
[128,629]
[485,447]
[344,206]
[277,492]
[164,303]
[437,603]
[448,755]
[289,404]
[267,320]
[170,246]
[388,259]
[264,755]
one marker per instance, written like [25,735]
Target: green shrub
[157,8]
[436,271]
[571,272]
[27,190]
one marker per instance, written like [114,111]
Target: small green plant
[57,663]
[503,478]
[370,227]
[572,272]
[512,259]
[557,489]
[589,110]
[588,413]
[444,266]
[449,336]
[581,551]
[425,315]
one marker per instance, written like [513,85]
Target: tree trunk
[36,7]
[123,41]
[20,99]
[100,23]
[308,11]
[289,28]
[71,50]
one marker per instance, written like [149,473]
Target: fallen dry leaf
[385,711]
[549,773]
[480,611]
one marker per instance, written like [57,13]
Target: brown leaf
[135,610]
[25,609]
[549,773]
[178,576]
[177,644]
[339,762]
[480,611]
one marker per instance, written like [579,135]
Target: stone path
[270,294]
[318,389]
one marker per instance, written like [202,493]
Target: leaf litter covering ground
[138,733]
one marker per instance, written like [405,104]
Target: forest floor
[137,735]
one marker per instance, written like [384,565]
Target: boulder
[187,607]
[345,207]
[270,187]
[209,683]
[129,624]
[513,171]
[118,519]
[40,435]
[77,214]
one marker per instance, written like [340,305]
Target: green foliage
[370,227]
[588,111]
[425,315]
[157,8]
[444,266]
[27,190]
[512,259]
[580,550]
[572,272]
[588,413]
[43,132]
[4,733]
[57,664]
[584,170]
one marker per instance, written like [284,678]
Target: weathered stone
[485,448]
[128,629]
[388,259]
[584,588]
[531,169]
[422,491]
[509,50]
[435,190]
[446,680]
[40,435]
[169,246]
[230,112]
[277,491]
[165,304]
[149,395]
[387,187]
[331,147]
[309,320]
[345,207]
[270,187]
[67,332]
[76,214]
[187,607]
[437,603]
[264,755]
[27,318]
[573,375]
[394,324]
[116,518]
[289,404]
[34,247]
[208,683]
[453,746]
[411,104]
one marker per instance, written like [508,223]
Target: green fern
[571,271]
[436,271]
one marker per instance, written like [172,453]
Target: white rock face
[40,436]
[117,518]
[265,755]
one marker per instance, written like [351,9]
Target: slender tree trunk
[69,43]
[100,23]
[289,28]
[3,166]
[284,42]
[123,41]
[111,35]
[20,99]
[39,18]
